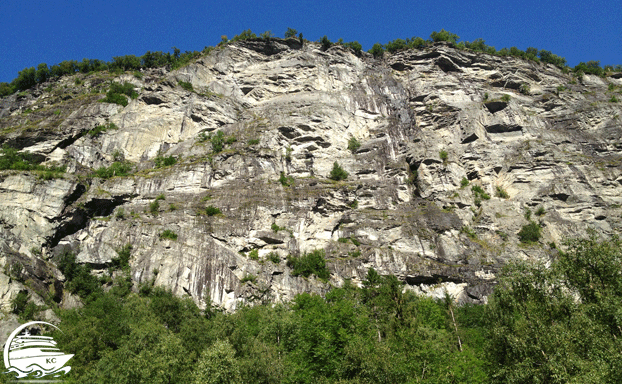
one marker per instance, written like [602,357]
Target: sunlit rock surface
[293,110]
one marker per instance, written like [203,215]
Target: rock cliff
[456,150]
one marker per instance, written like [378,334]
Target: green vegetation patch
[478,192]
[185,85]
[118,92]
[250,278]
[353,144]
[118,168]
[309,264]
[161,161]
[210,210]
[500,192]
[101,128]
[12,159]
[338,173]
[286,181]
[168,234]
[530,233]
[122,261]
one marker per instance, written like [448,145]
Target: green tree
[26,79]
[416,42]
[267,35]
[245,35]
[325,42]
[309,263]
[355,46]
[5,89]
[377,50]
[291,32]
[42,74]
[353,144]
[395,45]
[444,35]
[338,173]
[125,63]
[559,324]
[217,365]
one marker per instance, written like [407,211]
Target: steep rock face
[292,111]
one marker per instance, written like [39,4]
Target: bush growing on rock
[253,255]
[286,181]
[355,46]
[377,50]
[186,85]
[525,89]
[592,67]
[353,144]
[274,257]
[309,264]
[479,192]
[164,161]
[290,33]
[245,35]
[395,45]
[101,128]
[210,210]
[218,141]
[443,155]
[444,35]
[530,233]
[117,92]
[337,173]
[267,35]
[325,42]
[118,168]
[500,192]
[168,234]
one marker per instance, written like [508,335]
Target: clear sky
[36,31]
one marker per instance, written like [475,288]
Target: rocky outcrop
[289,112]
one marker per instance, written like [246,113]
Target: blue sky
[34,31]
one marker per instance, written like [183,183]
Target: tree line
[543,324]
[479,45]
[29,77]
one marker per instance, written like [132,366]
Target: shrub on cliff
[117,92]
[337,173]
[395,45]
[444,35]
[354,45]
[377,50]
[325,42]
[291,32]
[530,233]
[309,264]
[245,35]
[118,168]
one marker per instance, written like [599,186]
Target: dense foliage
[337,173]
[558,324]
[12,159]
